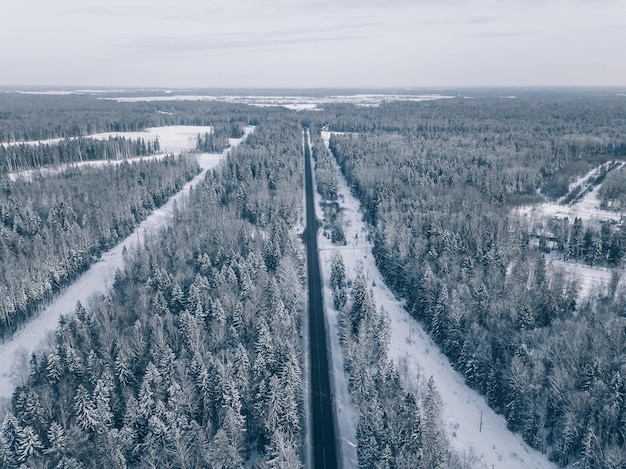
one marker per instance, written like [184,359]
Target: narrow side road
[322,407]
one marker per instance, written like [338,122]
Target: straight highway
[322,408]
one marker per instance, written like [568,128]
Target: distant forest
[41,117]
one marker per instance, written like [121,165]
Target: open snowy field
[587,208]
[418,358]
[97,280]
[173,139]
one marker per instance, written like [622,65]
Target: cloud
[377,4]
[195,10]
[479,20]
[492,34]
[166,46]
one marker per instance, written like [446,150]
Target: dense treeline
[612,194]
[603,245]
[25,156]
[53,228]
[326,181]
[210,143]
[41,117]
[217,140]
[325,177]
[432,179]
[194,358]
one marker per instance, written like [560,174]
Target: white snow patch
[587,208]
[302,107]
[97,280]
[47,92]
[414,352]
[63,92]
[170,97]
[589,278]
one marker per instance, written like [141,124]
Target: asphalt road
[322,406]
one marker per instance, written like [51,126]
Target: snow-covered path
[96,280]
[584,183]
[418,357]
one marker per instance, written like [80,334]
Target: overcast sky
[318,43]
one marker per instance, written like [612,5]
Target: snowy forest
[196,356]
[52,228]
[180,365]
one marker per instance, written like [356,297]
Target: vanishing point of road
[322,408]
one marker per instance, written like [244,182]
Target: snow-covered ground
[589,278]
[173,139]
[98,279]
[418,358]
[587,207]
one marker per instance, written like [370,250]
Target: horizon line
[166,89]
